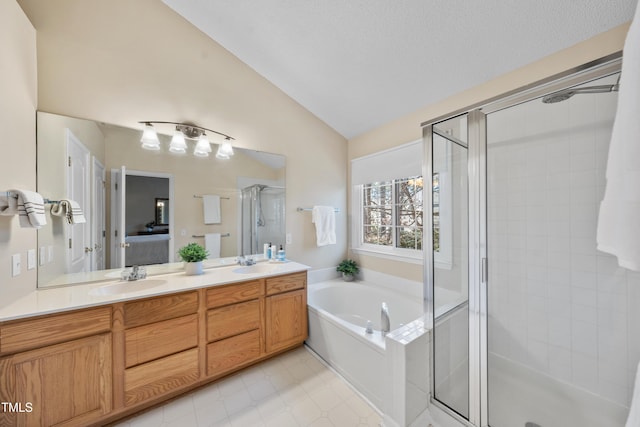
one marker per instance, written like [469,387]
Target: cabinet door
[286,320]
[65,384]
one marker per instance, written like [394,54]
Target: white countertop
[55,300]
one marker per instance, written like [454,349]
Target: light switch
[31,259]
[50,254]
[42,255]
[15,265]
[288,239]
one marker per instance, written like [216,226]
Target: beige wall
[123,61]
[408,128]
[18,87]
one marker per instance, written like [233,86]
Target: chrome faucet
[245,260]
[135,273]
[385,324]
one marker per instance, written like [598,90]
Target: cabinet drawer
[225,355]
[42,331]
[152,310]
[149,342]
[225,295]
[233,320]
[276,285]
[160,376]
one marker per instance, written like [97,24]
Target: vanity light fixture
[178,144]
[150,139]
[225,150]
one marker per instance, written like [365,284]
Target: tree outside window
[392,213]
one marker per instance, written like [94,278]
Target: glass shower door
[450,264]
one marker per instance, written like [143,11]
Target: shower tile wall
[558,305]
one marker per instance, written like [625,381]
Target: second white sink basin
[127,287]
[261,268]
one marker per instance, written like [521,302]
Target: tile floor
[294,389]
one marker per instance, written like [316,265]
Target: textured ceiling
[357,64]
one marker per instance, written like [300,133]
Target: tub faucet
[385,325]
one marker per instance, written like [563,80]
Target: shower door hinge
[484,273]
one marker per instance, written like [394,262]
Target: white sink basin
[127,287]
[261,268]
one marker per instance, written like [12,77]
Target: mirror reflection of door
[142,236]
[78,181]
[98,225]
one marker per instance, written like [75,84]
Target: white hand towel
[618,225]
[633,420]
[211,205]
[28,205]
[70,210]
[324,217]
[212,244]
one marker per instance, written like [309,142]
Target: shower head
[565,94]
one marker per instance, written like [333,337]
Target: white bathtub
[338,314]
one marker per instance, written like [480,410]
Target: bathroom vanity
[105,356]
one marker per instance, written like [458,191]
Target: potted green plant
[349,268]
[193,254]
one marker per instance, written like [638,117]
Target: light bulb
[178,144]
[149,138]
[203,147]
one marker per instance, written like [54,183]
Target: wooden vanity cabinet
[160,346]
[56,370]
[234,326]
[93,366]
[286,311]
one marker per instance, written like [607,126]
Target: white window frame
[390,252]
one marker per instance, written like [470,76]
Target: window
[392,213]
[388,202]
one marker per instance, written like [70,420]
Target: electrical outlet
[31,259]
[15,265]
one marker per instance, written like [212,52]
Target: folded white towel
[28,205]
[212,244]
[633,420]
[70,210]
[618,225]
[324,217]
[211,205]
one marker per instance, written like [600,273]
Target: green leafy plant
[348,266]
[193,252]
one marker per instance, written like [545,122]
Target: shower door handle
[484,270]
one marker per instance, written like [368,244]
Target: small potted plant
[349,269]
[193,254]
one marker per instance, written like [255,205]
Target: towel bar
[310,209]
[195,196]
[197,236]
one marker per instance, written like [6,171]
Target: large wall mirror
[141,206]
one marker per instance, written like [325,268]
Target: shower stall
[263,210]
[548,334]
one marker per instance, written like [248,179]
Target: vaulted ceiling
[358,64]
